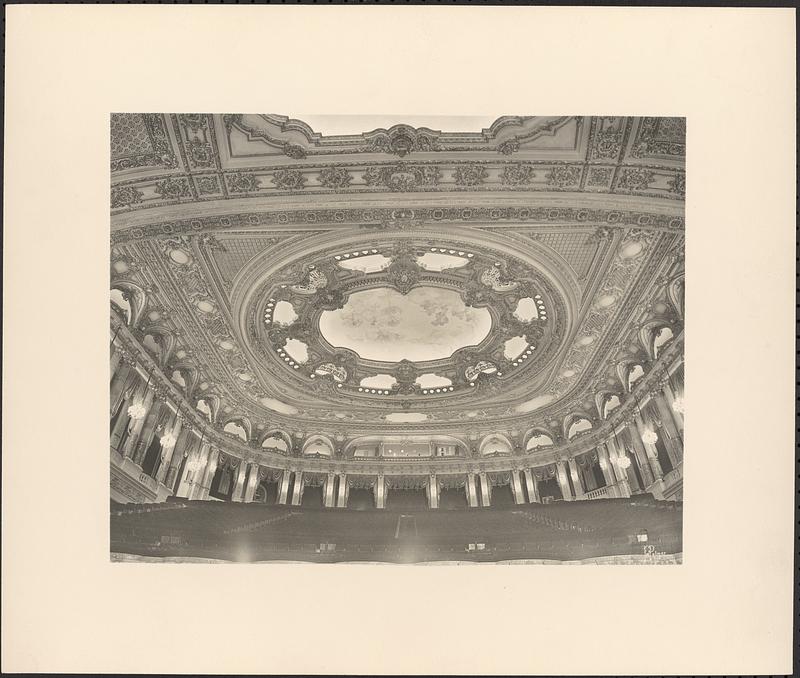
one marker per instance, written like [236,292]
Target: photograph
[397,339]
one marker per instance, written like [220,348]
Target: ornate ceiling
[402,280]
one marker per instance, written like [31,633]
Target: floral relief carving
[242,182]
[600,176]
[402,140]
[564,175]
[635,178]
[335,177]
[606,146]
[508,147]
[677,184]
[402,177]
[289,179]
[470,175]
[517,175]
[172,188]
[206,184]
[123,196]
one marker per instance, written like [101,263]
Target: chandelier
[650,437]
[677,405]
[623,462]
[136,411]
[168,440]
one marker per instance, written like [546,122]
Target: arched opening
[663,337]
[120,299]
[635,373]
[275,442]
[539,440]
[318,446]
[204,407]
[496,446]
[237,429]
[179,378]
[578,425]
[611,403]
[154,344]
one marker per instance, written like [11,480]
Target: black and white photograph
[382,339]
[389,319]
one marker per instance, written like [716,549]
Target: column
[166,454]
[576,479]
[238,488]
[283,488]
[670,396]
[641,456]
[297,494]
[168,471]
[119,380]
[486,490]
[209,457]
[530,484]
[327,493]
[605,466]
[433,491]
[516,488]
[341,497]
[672,437]
[116,361]
[563,483]
[650,449]
[126,394]
[472,494]
[616,454]
[380,492]
[252,483]
[146,432]
[190,482]
[137,425]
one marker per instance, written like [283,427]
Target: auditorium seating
[252,532]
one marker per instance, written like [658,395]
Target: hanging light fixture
[136,411]
[622,460]
[649,437]
[677,405]
[168,440]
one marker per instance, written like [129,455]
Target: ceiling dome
[428,323]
